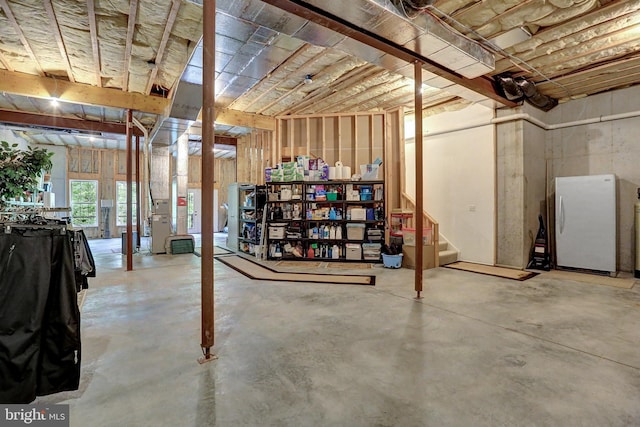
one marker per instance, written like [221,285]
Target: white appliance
[160,225]
[586,222]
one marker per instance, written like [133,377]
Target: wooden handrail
[408,203]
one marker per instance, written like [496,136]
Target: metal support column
[129,242]
[138,190]
[419,178]
[208,140]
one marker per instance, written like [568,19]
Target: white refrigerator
[586,222]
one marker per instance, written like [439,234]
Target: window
[190,209]
[121,203]
[84,202]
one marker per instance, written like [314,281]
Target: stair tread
[448,256]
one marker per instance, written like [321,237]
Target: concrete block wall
[610,146]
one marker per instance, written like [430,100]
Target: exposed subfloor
[476,351]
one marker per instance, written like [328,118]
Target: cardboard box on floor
[409,257]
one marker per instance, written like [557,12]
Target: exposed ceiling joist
[364,93]
[23,39]
[93,30]
[133,13]
[350,77]
[301,51]
[482,85]
[360,83]
[44,87]
[58,36]
[18,118]
[5,63]
[171,19]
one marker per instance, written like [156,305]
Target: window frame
[133,203]
[95,202]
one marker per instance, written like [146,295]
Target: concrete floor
[476,351]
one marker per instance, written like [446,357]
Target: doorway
[194,203]
[194,209]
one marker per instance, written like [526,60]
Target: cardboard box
[409,257]
[354,251]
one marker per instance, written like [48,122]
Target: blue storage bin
[392,261]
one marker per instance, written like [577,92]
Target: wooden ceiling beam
[131,27]
[58,36]
[238,118]
[171,19]
[95,48]
[16,27]
[26,119]
[44,87]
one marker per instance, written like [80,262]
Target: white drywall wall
[459,179]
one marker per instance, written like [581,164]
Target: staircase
[447,253]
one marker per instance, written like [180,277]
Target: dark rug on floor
[256,271]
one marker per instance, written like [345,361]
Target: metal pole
[208,140]
[129,243]
[419,177]
[138,190]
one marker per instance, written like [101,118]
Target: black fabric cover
[39,316]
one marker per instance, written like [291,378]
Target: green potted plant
[20,169]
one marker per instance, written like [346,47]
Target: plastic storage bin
[371,251]
[276,231]
[409,236]
[392,261]
[355,231]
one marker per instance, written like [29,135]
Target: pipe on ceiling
[539,123]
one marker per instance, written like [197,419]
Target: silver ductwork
[423,34]
[250,48]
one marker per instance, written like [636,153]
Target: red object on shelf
[398,222]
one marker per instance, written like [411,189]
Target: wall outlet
[472,208]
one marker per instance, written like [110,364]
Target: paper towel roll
[346,172]
[334,173]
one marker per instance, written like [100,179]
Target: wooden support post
[419,177]
[208,164]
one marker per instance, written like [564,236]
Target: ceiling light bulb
[54,102]
[308,80]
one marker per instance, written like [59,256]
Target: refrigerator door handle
[561,216]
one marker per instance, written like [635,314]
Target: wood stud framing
[95,49]
[11,17]
[5,63]
[133,13]
[58,36]
[171,19]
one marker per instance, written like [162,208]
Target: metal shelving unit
[325,220]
